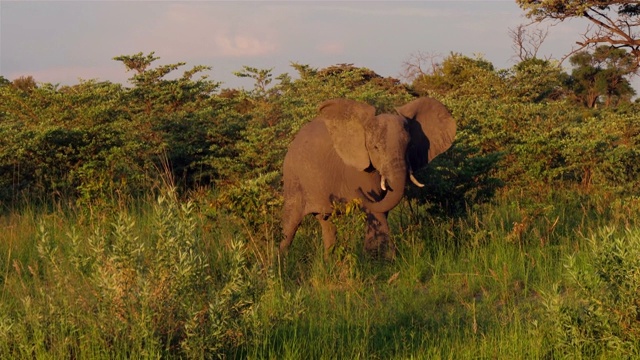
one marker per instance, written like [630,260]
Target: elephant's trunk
[396,182]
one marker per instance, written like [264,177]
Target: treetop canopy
[612,22]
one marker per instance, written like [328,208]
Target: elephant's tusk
[383,183]
[415,181]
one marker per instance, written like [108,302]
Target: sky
[62,42]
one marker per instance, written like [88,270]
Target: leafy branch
[612,22]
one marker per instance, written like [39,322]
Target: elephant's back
[309,145]
[315,175]
[312,169]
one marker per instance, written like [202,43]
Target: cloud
[331,48]
[384,9]
[209,30]
[242,45]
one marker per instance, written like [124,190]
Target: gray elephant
[347,153]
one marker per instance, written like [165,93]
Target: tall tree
[537,80]
[611,22]
[601,76]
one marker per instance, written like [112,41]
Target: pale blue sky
[61,41]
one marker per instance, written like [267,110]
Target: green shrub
[252,201]
[598,314]
[140,285]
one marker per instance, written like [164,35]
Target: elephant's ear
[432,132]
[346,120]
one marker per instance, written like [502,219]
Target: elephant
[347,153]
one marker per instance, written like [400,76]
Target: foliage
[161,280]
[459,178]
[536,80]
[598,77]
[4,81]
[262,77]
[71,141]
[176,114]
[600,314]
[97,141]
[612,22]
[462,76]
[252,201]
[601,76]
[149,292]
[24,83]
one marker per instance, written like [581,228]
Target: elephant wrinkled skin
[347,153]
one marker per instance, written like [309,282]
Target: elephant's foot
[377,242]
[380,246]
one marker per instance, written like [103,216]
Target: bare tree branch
[419,64]
[612,22]
[526,44]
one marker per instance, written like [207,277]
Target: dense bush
[97,140]
[76,142]
[599,314]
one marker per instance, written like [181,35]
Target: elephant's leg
[377,241]
[328,233]
[291,219]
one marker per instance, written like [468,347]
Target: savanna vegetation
[141,220]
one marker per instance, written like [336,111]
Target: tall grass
[134,283]
[163,279]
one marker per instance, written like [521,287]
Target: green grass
[162,279]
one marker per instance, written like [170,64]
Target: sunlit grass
[162,279]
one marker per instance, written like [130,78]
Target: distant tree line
[598,78]
[520,129]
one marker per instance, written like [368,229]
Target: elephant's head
[393,145]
